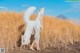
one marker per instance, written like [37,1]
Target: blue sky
[52,7]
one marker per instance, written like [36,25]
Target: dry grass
[55,31]
[9,33]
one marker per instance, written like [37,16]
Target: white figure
[27,34]
[37,24]
[37,28]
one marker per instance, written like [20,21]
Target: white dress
[29,25]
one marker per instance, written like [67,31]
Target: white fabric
[28,32]
[32,24]
[28,13]
[38,25]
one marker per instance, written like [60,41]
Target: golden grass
[55,31]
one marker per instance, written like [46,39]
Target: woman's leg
[37,38]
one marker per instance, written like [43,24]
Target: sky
[70,9]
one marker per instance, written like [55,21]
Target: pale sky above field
[52,7]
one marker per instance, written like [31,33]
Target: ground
[75,48]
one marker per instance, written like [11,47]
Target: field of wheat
[55,31]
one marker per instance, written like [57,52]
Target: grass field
[56,32]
